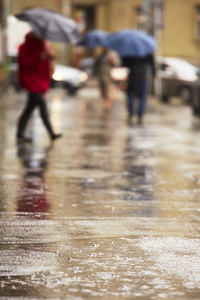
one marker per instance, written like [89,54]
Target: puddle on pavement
[109,211]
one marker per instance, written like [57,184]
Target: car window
[163,66]
[182,66]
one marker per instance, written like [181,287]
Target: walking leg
[130,99]
[26,114]
[143,100]
[107,99]
[45,117]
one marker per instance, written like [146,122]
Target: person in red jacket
[35,66]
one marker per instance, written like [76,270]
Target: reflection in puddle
[32,200]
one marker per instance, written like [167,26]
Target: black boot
[56,136]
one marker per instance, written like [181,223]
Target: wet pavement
[110,211]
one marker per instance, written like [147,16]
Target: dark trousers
[138,89]
[34,100]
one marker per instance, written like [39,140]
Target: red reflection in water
[32,200]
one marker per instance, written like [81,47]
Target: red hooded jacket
[34,68]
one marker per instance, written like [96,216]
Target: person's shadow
[31,200]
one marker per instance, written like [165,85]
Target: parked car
[88,65]
[175,77]
[118,74]
[69,78]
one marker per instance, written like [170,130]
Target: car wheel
[72,90]
[52,83]
[186,94]
[165,99]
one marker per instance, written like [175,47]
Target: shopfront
[3,43]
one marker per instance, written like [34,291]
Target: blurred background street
[109,211]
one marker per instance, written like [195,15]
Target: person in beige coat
[105,62]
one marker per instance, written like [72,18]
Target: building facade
[181,33]
[3,42]
[175,23]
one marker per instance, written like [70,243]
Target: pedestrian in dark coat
[35,66]
[137,84]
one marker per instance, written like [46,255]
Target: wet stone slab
[121,267]
[110,211]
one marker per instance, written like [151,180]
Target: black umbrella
[51,25]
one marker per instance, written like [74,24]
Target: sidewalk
[110,211]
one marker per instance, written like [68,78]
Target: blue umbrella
[93,38]
[131,42]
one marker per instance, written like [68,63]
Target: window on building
[85,17]
[141,18]
[198,22]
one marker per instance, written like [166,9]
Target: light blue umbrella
[131,42]
[93,38]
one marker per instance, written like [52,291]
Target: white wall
[16,31]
